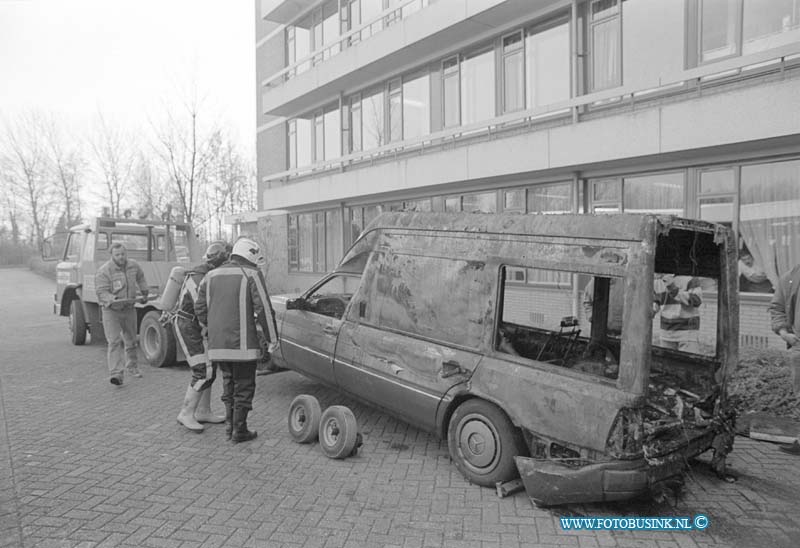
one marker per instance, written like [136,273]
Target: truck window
[540,322]
[442,299]
[73,247]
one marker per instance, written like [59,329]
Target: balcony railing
[692,82]
[354,36]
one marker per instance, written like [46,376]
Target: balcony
[283,11]
[350,62]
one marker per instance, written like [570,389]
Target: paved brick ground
[85,464]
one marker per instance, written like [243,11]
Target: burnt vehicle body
[469,326]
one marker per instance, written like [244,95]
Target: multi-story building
[689,107]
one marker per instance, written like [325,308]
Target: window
[727,28]
[319,137]
[334,246]
[355,124]
[661,193]
[73,247]
[404,300]
[332,134]
[547,64]
[717,196]
[292,247]
[484,202]
[477,98]
[416,107]
[332,297]
[450,92]
[513,73]
[514,201]
[372,120]
[395,111]
[305,240]
[314,241]
[555,198]
[299,135]
[769,223]
[605,43]
[538,325]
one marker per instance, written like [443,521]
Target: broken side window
[538,321]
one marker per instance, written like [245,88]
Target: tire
[156,341]
[304,417]
[338,432]
[77,322]
[483,443]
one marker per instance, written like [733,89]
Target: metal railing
[352,37]
[692,81]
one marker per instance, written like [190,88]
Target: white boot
[186,416]
[203,412]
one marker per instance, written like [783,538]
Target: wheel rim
[478,443]
[330,432]
[151,341]
[299,418]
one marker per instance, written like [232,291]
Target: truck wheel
[304,416]
[77,322]
[483,443]
[338,432]
[157,342]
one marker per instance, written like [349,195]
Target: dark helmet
[217,253]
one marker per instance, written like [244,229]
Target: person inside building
[680,298]
[233,342]
[752,279]
[196,408]
[119,283]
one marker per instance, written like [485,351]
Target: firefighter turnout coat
[231,301]
[187,327]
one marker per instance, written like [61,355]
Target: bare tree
[187,150]
[24,169]
[115,156]
[229,189]
[67,166]
[152,194]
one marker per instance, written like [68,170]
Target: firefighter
[197,401]
[231,301]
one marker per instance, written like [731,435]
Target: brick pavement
[85,464]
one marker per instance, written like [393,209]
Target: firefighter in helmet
[232,301]
[196,407]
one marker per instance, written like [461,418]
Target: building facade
[687,107]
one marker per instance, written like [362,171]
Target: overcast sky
[125,58]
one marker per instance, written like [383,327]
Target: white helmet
[248,250]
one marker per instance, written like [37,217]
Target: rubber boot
[203,412]
[186,416]
[228,421]
[240,431]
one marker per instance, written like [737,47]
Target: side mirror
[296,304]
[48,251]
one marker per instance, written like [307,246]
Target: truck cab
[157,246]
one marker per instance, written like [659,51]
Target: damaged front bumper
[549,482]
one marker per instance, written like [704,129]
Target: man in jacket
[196,407]
[231,300]
[119,283]
[784,313]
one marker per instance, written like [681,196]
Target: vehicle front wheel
[338,432]
[483,443]
[304,417]
[157,342]
[77,323]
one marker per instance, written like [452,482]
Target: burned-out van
[540,346]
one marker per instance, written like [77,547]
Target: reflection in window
[416,107]
[305,241]
[332,131]
[451,93]
[485,202]
[717,198]
[477,98]
[769,24]
[372,121]
[718,28]
[662,193]
[334,246]
[395,111]
[555,198]
[547,57]
[769,217]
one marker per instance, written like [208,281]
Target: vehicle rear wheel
[77,322]
[483,443]
[304,417]
[338,432]
[157,342]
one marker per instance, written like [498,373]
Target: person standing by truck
[196,407]
[230,301]
[117,283]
